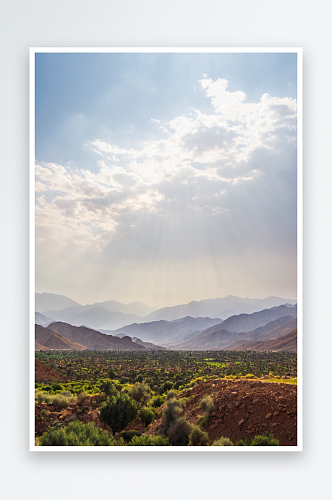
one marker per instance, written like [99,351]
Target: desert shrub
[128,435]
[172,411]
[197,437]
[155,388]
[222,441]
[118,411]
[109,388]
[81,397]
[124,380]
[243,442]
[149,441]
[178,433]
[178,384]
[58,387]
[140,379]
[76,434]
[171,394]
[158,401]
[266,440]
[44,413]
[207,405]
[146,416]
[141,393]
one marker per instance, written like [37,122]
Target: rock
[213,426]
[72,418]
[268,415]
[256,400]
[276,413]
[241,421]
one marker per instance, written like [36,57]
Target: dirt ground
[244,409]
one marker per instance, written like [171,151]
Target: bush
[266,440]
[172,411]
[109,388]
[76,434]
[197,437]
[243,442]
[158,401]
[222,441]
[171,394]
[57,387]
[146,416]
[81,397]
[118,412]
[124,380]
[149,441]
[207,405]
[178,433]
[128,435]
[141,393]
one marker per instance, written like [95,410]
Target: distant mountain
[148,345]
[107,315]
[286,342]
[248,322]
[42,320]
[52,340]
[213,308]
[92,339]
[166,332]
[47,301]
[240,328]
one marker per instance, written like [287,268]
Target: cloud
[221,183]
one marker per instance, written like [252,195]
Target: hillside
[53,340]
[286,342]
[218,337]
[244,409]
[92,339]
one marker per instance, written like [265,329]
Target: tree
[141,393]
[172,412]
[146,416]
[178,433]
[109,388]
[118,411]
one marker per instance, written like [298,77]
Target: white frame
[299,52]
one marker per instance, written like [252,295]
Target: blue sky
[176,171]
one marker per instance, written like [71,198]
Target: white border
[221,50]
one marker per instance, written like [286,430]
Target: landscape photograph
[165,276]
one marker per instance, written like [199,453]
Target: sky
[165,178]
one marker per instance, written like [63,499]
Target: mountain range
[112,315]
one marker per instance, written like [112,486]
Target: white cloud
[222,173]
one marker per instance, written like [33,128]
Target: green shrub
[158,401]
[222,441]
[141,393]
[149,441]
[178,433]
[124,380]
[109,388]
[197,437]
[171,394]
[207,405]
[76,434]
[243,442]
[118,412]
[128,435]
[146,416]
[266,440]
[58,387]
[172,411]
